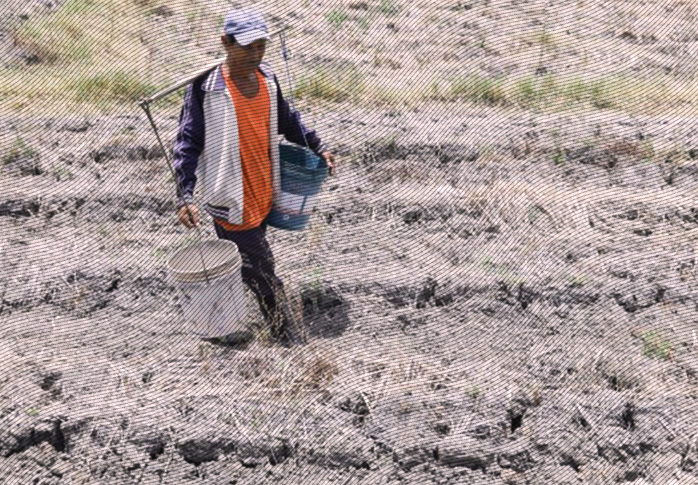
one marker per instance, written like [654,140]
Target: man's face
[247,58]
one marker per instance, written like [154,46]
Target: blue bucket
[302,176]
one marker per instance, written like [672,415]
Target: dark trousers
[257,263]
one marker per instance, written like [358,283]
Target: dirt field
[491,294]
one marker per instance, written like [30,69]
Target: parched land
[498,287]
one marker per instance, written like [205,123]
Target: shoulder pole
[179,84]
[145,105]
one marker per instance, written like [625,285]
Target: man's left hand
[329,159]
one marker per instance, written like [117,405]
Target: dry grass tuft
[111,86]
[63,36]
[320,372]
[331,84]
[17,150]
[67,51]
[552,92]
[655,346]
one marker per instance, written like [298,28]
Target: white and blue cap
[246,25]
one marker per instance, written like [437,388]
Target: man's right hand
[189,218]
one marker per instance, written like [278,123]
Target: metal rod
[146,108]
[179,84]
[289,79]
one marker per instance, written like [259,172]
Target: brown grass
[407,68]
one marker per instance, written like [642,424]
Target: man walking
[228,130]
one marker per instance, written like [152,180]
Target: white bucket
[217,307]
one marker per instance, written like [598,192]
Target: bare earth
[478,317]
[490,295]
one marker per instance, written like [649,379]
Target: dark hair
[231,38]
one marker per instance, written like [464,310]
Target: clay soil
[490,295]
[472,316]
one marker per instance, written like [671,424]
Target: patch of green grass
[536,92]
[558,157]
[473,392]
[32,412]
[53,41]
[80,53]
[576,90]
[109,87]
[526,88]
[509,277]
[479,89]
[544,37]
[316,282]
[337,17]
[600,93]
[501,271]
[486,262]
[160,253]
[63,174]
[535,212]
[331,84]
[655,346]
[18,149]
[435,89]
[579,279]
[59,37]
[389,7]
[364,24]
[74,7]
[648,151]
[531,91]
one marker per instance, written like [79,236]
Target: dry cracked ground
[489,297]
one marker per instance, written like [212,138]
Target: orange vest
[253,139]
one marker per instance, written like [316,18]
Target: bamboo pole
[174,87]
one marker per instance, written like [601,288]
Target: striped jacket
[206,150]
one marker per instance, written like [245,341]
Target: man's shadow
[325,311]
[325,314]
